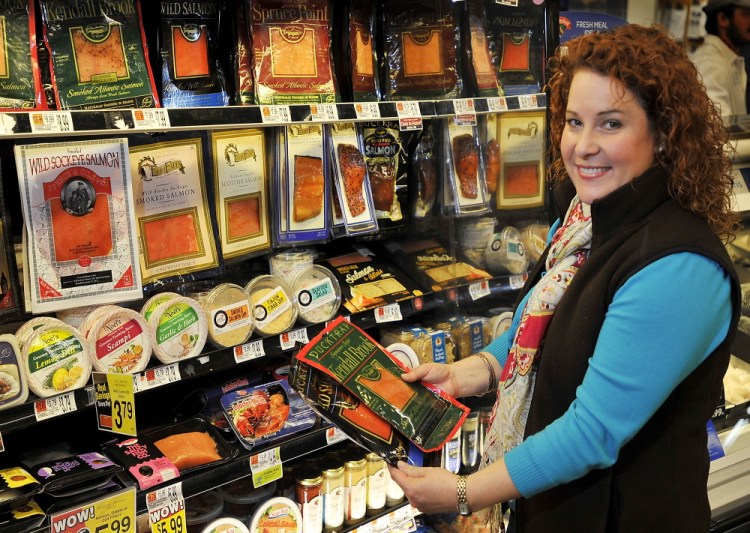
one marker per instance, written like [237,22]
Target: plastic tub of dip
[317,294]
[228,313]
[272,304]
[286,264]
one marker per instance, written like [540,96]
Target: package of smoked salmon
[301,197]
[341,408]
[98,54]
[17,486]
[424,176]
[20,77]
[243,57]
[177,232]
[520,35]
[425,415]
[74,474]
[11,296]
[240,191]
[77,201]
[420,39]
[355,54]
[464,161]
[291,49]
[266,413]
[191,73]
[25,518]
[481,62]
[163,454]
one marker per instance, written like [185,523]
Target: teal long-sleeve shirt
[662,323]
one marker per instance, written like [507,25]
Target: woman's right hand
[438,374]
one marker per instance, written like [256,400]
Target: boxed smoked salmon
[291,51]
[176,233]
[420,39]
[77,201]
[20,78]
[427,416]
[98,54]
[240,191]
[191,72]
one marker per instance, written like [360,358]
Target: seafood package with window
[480,58]
[77,204]
[425,415]
[98,54]
[20,77]
[17,486]
[467,191]
[74,474]
[356,61]
[266,413]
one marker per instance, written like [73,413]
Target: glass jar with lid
[333,495]
[376,479]
[355,486]
[308,484]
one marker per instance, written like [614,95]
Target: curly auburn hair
[696,154]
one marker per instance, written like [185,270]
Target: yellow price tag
[123,403]
[166,510]
[172,523]
[112,514]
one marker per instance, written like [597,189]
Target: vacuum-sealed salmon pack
[98,54]
[355,58]
[481,59]
[191,73]
[465,163]
[427,416]
[74,474]
[243,57]
[77,201]
[17,486]
[20,77]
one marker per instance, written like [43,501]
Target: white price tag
[150,119]
[47,408]
[324,112]
[51,121]
[527,101]
[365,528]
[164,496]
[497,103]
[249,351]
[466,114]
[166,509]
[409,116]
[266,467]
[367,110]
[516,282]
[479,290]
[388,313]
[156,377]
[289,339]
[275,113]
[334,435]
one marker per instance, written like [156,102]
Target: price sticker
[516,282]
[365,528]
[324,112]
[388,313]
[409,116]
[334,435]
[367,110]
[289,339]
[497,104]
[61,404]
[112,514]
[156,377]
[266,467]
[466,114]
[149,119]
[527,101]
[166,510]
[249,351]
[270,114]
[51,121]
[479,290]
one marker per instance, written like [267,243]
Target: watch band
[463,507]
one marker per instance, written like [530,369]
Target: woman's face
[607,140]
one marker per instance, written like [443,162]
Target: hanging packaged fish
[301,185]
[490,151]
[98,54]
[241,191]
[386,160]
[291,47]
[175,232]
[465,169]
[191,72]
[350,176]
[11,297]
[78,209]
[20,78]
[423,163]
[243,55]
[359,50]
[420,39]
[481,61]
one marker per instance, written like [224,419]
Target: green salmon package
[425,415]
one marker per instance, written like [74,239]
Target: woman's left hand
[431,490]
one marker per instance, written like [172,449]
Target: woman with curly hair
[621,336]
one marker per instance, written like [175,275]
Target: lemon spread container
[272,304]
[121,341]
[57,359]
[229,316]
[180,330]
[13,387]
[317,294]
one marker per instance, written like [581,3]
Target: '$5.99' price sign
[112,514]
[166,510]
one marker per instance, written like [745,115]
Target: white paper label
[497,103]
[149,119]
[466,114]
[527,101]
[334,435]
[479,290]
[324,112]
[156,377]
[54,406]
[165,497]
[516,282]
[275,113]
[51,121]
[290,338]
[367,110]
[388,313]
[251,350]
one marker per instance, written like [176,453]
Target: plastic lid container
[228,314]
[317,294]
[241,498]
[180,330]
[61,360]
[505,253]
[155,301]
[277,514]
[226,525]
[202,509]
[476,232]
[121,340]
[286,264]
[404,353]
[272,304]
[13,387]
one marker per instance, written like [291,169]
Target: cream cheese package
[180,330]
[121,341]
[272,304]
[57,359]
[78,206]
[229,316]
[317,294]
[13,387]
[277,515]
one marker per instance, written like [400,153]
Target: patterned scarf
[568,250]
